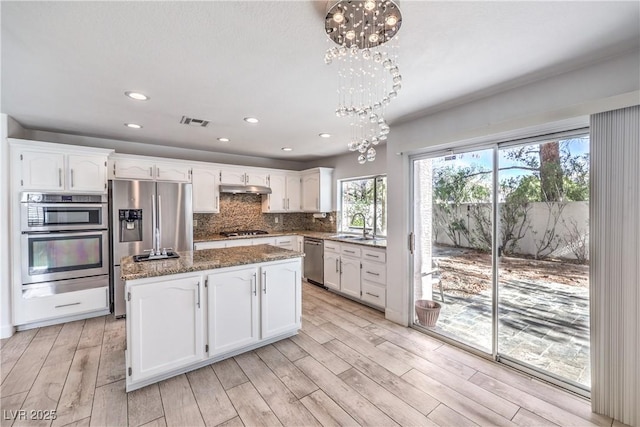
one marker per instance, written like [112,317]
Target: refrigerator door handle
[159,219]
[154,225]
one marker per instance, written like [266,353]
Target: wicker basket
[427,312]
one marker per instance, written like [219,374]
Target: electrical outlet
[276,219]
[195,222]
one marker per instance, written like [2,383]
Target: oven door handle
[67,233]
[65,205]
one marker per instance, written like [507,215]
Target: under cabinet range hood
[244,189]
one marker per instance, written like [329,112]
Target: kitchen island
[206,306]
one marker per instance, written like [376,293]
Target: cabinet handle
[71,177]
[372,256]
[373,295]
[372,273]
[337,265]
[284,203]
[255,286]
[351,252]
[340,266]
[59,177]
[217,202]
[198,294]
[151,171]
[264,278]
[288,204]
[67,305]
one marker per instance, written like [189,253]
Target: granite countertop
[207,259]
[380,243]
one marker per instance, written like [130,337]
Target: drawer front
[375,256]
[285,240]
[374,294]
[331,246]
[67,304]
[374,272]
[350,250]
[209,245]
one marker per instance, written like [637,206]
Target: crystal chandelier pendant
[365,32]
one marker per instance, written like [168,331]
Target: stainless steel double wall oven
[64,243]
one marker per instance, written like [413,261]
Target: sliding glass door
[543,271]
[500,259]
[452,263]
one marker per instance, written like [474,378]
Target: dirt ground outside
[468,271]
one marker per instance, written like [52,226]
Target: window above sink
[366,196]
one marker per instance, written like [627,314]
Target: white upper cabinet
[206,190]
[40,166]
[132,168]
[148,168]
[277,200]
[244,176]
[294,190]
[231,175]
[285,196]
[173,172]
[317,189]
[87,173]
[257,177]
[42,171]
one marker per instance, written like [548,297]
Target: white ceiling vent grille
[190,121]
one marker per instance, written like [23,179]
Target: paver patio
[540,323]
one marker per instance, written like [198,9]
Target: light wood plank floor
[348,366]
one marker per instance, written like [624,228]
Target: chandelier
[368,74]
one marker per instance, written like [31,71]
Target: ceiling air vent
[194,122]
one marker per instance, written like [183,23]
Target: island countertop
[206,259]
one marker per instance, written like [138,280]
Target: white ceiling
[66,65]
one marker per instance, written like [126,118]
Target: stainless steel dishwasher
[314,260]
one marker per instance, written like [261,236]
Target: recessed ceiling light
[325,135]
[133,126]
[223,139]
[287,149]
[137,96]
[251,120]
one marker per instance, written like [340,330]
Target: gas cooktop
[242,233]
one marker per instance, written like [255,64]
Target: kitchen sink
[156,257]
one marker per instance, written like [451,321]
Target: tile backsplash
[244,212]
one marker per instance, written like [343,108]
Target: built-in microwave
[53,212]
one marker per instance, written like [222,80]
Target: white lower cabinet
[181,322]
[356,271]
[165,320]
[233,309]
[350,276]
[331,269]
[280,298]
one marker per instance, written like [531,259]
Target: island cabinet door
[280,298]
[166,320]
[233,309]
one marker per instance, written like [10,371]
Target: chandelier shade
[365,50]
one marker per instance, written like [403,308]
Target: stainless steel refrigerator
[146,215]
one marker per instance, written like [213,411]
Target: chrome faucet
[364,223]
